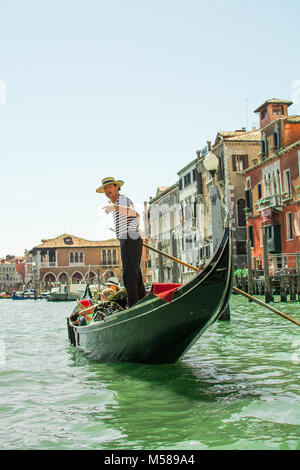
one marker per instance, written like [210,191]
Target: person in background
[75,318]
[85,310]
[106,294]
[112,283]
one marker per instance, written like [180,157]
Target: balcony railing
[48,264]
[274,201]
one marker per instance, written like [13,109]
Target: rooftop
[70,241]
[161,194]
[245,136]
[275,101]
[238,136]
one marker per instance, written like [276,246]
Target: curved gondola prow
[228,291]
[87,293]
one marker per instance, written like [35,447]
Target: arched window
[81,257]
[103,256]
[71,257]
[63,278]
[276,138]
[76,257]
[275,183]
[52,259]
[264,145]
[278,181]
[49,278]
[76,278]
[269,184]
[114,256]
[248,196]
[108,256]
[241,216]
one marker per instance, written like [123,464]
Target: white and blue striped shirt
[126,226]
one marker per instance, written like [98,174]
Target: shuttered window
[251,235]
[239,162]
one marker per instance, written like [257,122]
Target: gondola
[164,325]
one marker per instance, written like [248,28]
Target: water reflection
[157,405]
[222,394]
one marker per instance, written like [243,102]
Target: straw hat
[109,180]
[112,281]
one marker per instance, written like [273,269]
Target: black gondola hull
[155,331]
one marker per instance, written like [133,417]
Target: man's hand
[128,211]
[110,208]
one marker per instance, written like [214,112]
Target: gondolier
[126,221]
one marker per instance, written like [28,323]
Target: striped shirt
[125,226]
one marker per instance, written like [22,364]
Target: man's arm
[128,211]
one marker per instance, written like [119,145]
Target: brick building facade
[68,258]
[236,151]
[272,184]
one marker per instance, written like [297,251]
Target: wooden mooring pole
[268,287]
[249,266]
[298,277]
[283,297]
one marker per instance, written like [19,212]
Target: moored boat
[5,295]
[61,297]
[19,296]
[26,295]
[164,325]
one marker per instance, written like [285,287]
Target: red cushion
[85,302]
[165,291]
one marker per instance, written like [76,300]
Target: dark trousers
[131,253]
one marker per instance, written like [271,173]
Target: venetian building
[189,227]
[272,184]
[146,262]
[204,219]
[162,221]
[70,259]
[236,151]
[9,277]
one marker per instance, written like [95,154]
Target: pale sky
[129,89]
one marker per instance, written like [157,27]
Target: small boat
[19,296]
[5,295]
[64,294]
[61,297]
[26,295]
[162,326]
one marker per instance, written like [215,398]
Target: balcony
[270,202]
[48,264]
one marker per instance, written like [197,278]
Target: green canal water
[237,388]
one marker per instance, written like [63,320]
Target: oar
[239,291]
[263,304]
[172,258]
